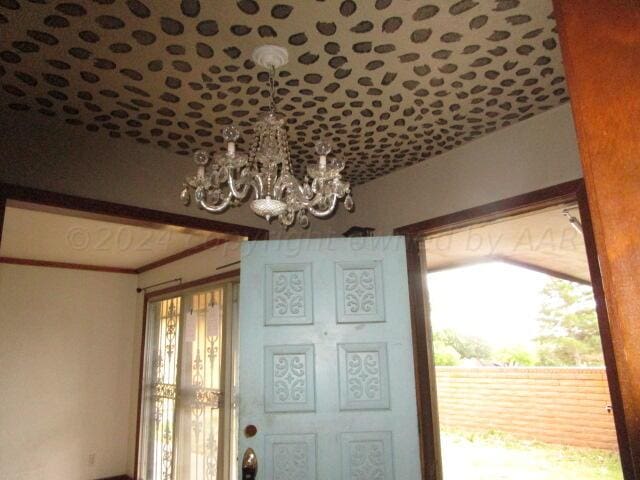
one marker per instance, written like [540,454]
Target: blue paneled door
[326,369]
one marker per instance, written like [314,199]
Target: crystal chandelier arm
[327,211]
[281,187]
[216,207]
[258,186]
[239,192]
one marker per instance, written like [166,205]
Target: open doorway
[522,389]
[76,276]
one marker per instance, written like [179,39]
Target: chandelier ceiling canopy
[265,171]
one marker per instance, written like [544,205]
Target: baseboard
[117,477]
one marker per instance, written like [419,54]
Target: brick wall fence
[556,405]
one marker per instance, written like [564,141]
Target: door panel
[326,365]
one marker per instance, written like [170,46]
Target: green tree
[568,326]
[445,355]
[467,346]
[516,356]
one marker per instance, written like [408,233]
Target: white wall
[65,354]
[70,353]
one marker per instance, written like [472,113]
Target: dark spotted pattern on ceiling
[388,82]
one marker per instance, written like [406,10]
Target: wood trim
[3,207]
[73,266]
[600,47]
[147,297]
[604,325]
[83,204]
[428,427]
[180,255]
[502,208]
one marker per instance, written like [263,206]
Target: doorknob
[249,465]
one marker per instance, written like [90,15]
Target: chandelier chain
[272,89]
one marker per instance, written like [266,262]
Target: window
[183,428]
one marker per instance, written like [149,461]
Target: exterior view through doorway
[543,256]
[521,384]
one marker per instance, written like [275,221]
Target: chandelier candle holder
[226,179]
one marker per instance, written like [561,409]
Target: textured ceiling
[389,82]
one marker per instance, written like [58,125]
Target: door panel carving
[367,456]
[364,376]
[290,457]
[289,295]
[289,378]
[359,292]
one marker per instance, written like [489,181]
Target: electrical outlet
[91,459]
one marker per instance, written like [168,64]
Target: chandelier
[225,179]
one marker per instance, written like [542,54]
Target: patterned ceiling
[388,82]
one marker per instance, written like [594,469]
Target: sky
[495,301]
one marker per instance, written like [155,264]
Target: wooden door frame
[138,216]
[601,57]
[573,191]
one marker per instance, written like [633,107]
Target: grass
[499,456]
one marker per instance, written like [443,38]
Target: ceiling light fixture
[225,179]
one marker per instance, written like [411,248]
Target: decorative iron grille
[183,395]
